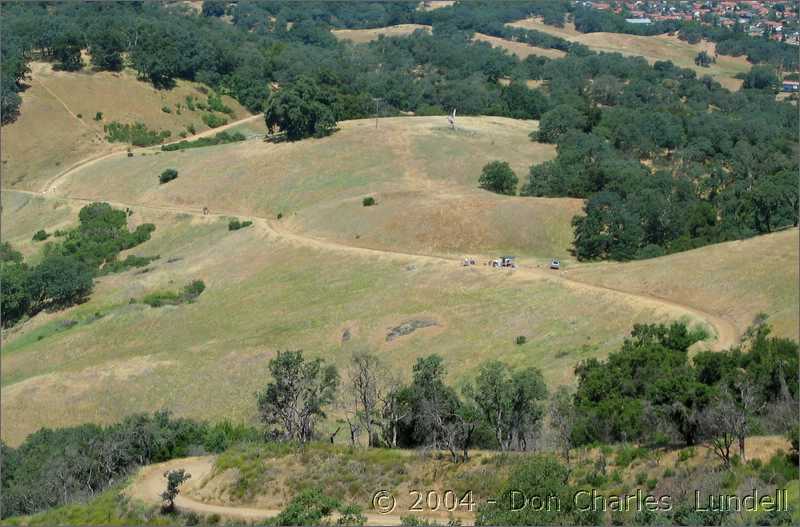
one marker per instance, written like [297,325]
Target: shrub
[218,139]
[192,518]
[280,215]
[98,116]
[40,235]
[137,134]
[167,175]
[129,262]
[193,290]
[368,201]
[215,104]
[79,116]
[498,177]
[166,109]
[190,102]
[213,121]
[191,129]
[235,224]
[686,454]
[171,298]
[520,340]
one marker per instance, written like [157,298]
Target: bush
[40,235]
[215,104]
[235,224]
[192,518]
[136,134]
[213,121]
[98,116]
[498,177]
[368,201]
[520,340]
[218,139]
[166,109]
[170,298]
[167,175]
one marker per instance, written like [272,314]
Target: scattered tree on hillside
[508,402]
[562,420]
[301,109]
[498,177]
[213,7]
[175,479]
[295,399]
[366,380]
[558,122]
[67,51]
[703,59]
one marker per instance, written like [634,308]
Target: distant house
[638,21]
[791,86]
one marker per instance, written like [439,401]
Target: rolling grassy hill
[407,164]
[736,280]
[333,275]
[269,291]
[49,136]
[653,48]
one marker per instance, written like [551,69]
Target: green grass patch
[219,139]
[108,508]
[188,295]
[136,134]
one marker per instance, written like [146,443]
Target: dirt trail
[150,483]
[726,333]
[53,183]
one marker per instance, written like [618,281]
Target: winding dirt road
[726,333]
[149,483]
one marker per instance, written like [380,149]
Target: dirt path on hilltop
[53,183]
[149,483]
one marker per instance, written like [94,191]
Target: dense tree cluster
[650,391]
[65,273]
[56,466]
[501,409]
[667,161]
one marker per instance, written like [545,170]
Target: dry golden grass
[417,163]
[269,291]
[736,280]
[48,137]
[360,36]
[520,49]
[653,48]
